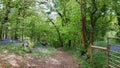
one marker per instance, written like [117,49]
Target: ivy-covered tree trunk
[83,23]
[93,21]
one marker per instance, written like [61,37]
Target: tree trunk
[83,23]
[93,22]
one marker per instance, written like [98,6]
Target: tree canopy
[61,23]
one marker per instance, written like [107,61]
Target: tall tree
[83,22]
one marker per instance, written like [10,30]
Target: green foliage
[18,49]
[32,19]
[99,58]
[27,20]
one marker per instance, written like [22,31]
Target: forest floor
[60,59]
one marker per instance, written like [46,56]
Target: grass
[99,59]
[20,50]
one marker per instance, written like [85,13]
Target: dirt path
[61,59]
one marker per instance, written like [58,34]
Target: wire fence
[113,52]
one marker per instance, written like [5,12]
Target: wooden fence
[113,56]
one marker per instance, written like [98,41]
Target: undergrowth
[20,50]
[99,57]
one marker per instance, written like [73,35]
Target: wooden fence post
[108,53]
[91,53]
